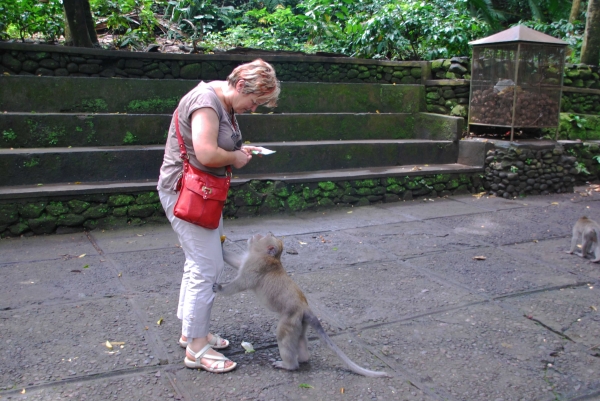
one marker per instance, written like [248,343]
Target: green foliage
[119,16]
[409,29]
[198,18]
[9,135]
[580,167]
[514,169]
[129,138]
[562,29]
[26,18]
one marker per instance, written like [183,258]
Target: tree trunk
[575,11]
[89,22]
[75,12]
[590,50]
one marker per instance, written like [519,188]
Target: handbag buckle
[206,189]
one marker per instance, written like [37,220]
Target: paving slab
[481,352]
[56,342]
[553,253]
[414,238]
[378,294]
[503,227]
[499,273]
[572,312]
[54,281]
[444,207]
[151,236]
[147,386]
[352,217]
[52,247]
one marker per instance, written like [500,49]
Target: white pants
[203,267]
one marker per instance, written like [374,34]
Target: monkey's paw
[280,365]
[217,287]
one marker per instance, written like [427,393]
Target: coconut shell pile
[495,108]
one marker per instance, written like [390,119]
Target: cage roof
[519,33]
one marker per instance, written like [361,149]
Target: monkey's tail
[313,321]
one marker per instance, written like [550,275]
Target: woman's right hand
[241,158]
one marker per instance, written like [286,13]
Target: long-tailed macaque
[588,231]
[261,271]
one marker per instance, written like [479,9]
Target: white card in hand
[262,151]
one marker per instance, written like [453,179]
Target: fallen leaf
[350,212]
[342,390]
[304,385]
[108,345]
[23,391]
[76,271]
[223,238]
[593,308]
[377,111]
[118,343]
[479,258]
[86,266]
[291,252]
[81,256]
[335,249]
[302,243]
[554,203]
[120,274]
[479,195]
[536,241]
[145,327]
[159,321]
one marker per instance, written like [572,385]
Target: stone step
[33,130]
[32,166]
[91,188]
[146,96]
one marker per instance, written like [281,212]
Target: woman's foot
[215,341]
[207,359]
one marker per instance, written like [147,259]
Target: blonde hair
[259,78]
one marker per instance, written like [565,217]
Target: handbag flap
[207,185]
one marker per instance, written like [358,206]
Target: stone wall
[105,211]
[45,60]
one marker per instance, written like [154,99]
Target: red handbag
[201,194]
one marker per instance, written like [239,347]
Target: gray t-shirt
[229,137]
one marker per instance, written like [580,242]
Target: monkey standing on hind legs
[261,271]
[589,232]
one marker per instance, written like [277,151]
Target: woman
[213,141]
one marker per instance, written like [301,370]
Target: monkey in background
[588,231]
[260,270]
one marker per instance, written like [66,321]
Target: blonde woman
[213,141]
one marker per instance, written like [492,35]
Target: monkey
[589,232]
[260,270]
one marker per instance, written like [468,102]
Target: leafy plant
[580,167]
[514,169]
[26,18]
[577,121]
[9,135]
[129,138]
[131,22]
[528,161]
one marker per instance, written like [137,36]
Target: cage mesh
[534,71]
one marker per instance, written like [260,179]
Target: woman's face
[243,102]
[246,103]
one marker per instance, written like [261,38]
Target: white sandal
[215,367]
[216,339]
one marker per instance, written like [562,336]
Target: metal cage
[516,80]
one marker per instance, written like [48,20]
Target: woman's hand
[241,158]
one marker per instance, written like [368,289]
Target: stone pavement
[462,298]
